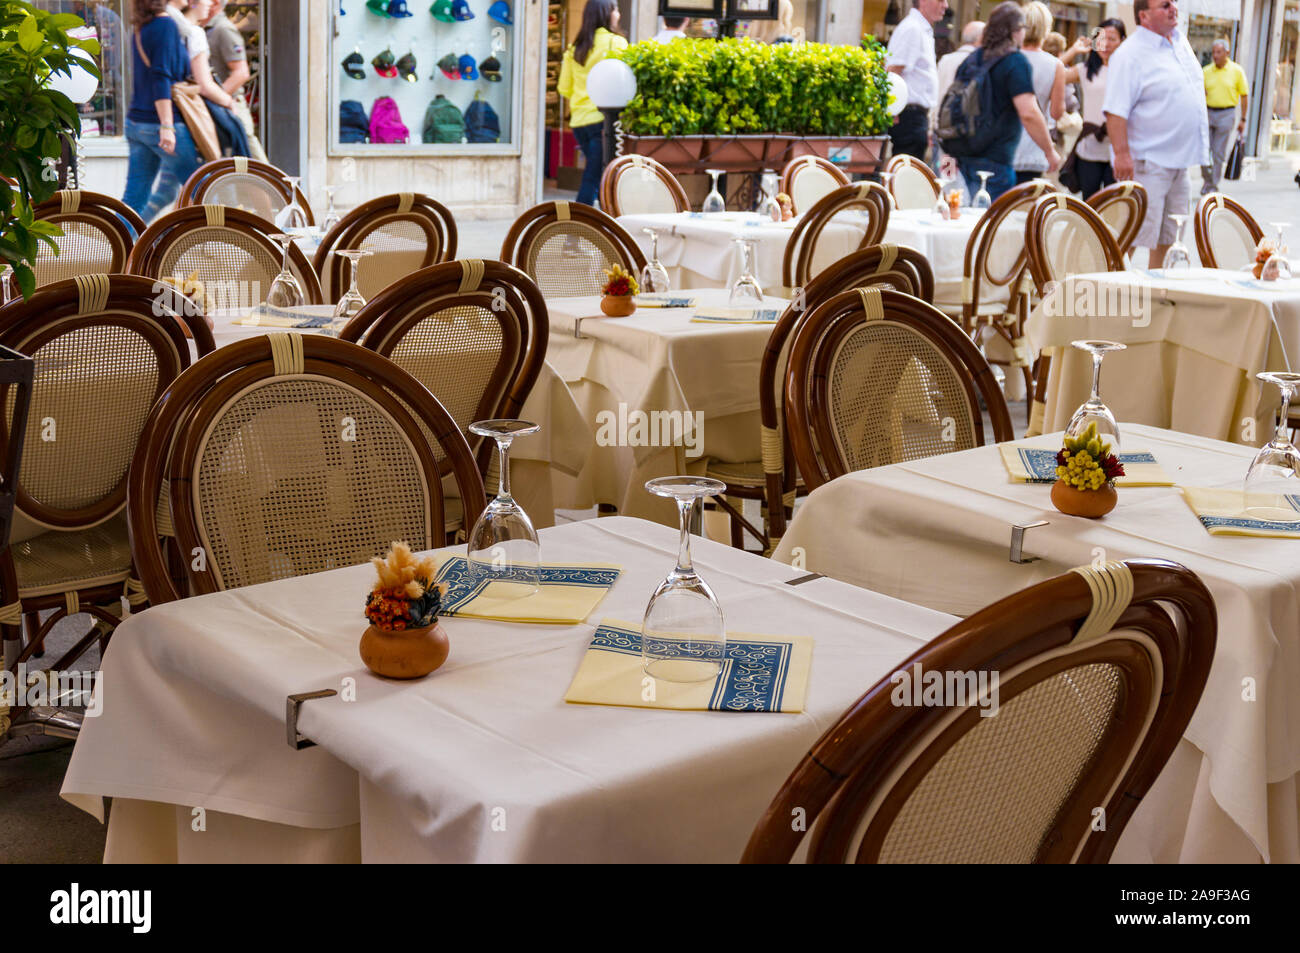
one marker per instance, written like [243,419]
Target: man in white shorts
[1156,119]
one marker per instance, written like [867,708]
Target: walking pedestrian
[1225,88]
[1049,89]
[596,39]
[1092,150]
[911,56]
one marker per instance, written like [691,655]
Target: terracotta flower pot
[619,306]
[1089,503]
[1257,270]
[406,653]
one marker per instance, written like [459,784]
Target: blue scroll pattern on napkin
[1245,522]
[463,584]
[1041,464]
[753,676]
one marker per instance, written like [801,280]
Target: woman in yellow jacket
[596,39]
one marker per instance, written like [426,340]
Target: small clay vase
[404,653]
[617,306]
[1088,503]
[1258,270]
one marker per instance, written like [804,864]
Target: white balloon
[611,84]
[80,85]
[897,94]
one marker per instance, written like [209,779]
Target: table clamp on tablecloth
[292,705]
[1017,553]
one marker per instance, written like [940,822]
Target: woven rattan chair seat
[749,473]
[61,562]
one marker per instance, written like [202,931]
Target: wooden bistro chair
[1063,236]
[406,231]
[914,184]
[639,185]
[98,233]
[105,347]
[801,260]
[1226,234]
[809,179]
[774,479]
[1099,671]
[877,377]
[230,250]
[565,247]
[473,332]
[243,183]
[1122,207]
[288,454]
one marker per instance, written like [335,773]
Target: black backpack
[965,124]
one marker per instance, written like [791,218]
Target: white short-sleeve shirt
[912,47]
[196,41]
[1157,84]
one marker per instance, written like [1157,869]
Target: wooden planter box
[686,154]
[849,153]
[675,152]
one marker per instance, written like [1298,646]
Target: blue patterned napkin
[565,595]
[1038,465]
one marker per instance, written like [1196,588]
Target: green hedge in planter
[737,86]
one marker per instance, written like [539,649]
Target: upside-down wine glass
[352,301]
[768,184]
[1273,480]
[714,202]
[1093,410]
[683,635]
[332,217]
[1277,267]
[1177,258]
[654,276]
[285,291]
[940,208]
[982,199]
[292,215]
[746,292]
[503,546]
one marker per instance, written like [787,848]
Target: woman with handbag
[227,133]
[1088,166]
[156,134]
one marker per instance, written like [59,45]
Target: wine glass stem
[684,566]
[1096,377]
[1283,431]
[503,462]
[284,265]
[353,289]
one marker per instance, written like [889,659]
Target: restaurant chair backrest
[863,205]
[1226,234]
[230,251]
[993,262]
[566,247]
[878,377]
[406,231]
[98,233]
[290,454]
[1061,705]
[914,184]
[809,179]
[1122,207]
[1065,237]
[242,183]
[639,185]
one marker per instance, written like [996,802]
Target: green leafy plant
[738,86]
[33,45]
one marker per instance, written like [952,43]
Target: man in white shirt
[674,29]
[911,56]
[1156,119]
[971,35]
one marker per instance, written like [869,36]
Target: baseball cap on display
[461,11]
[397,8]
[383,64]
[441,10]
[490,69]
[406,68]
[500,11]
[354,65]
[378,7]
[468,68]
[450,66]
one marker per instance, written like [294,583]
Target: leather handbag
[188,101]
[1232,168]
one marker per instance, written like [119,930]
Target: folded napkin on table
[760,673]
[663,301]
[736,315]
[1038,465]
[566,595]
[308,316]
[1226,513]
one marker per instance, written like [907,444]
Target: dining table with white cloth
[1194,342]
[482,761]
[937,532]
[656,365]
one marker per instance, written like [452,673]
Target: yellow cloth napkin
[566,596]
[308,316]
[668,300]
[1038,465]
[737,315]
[761,673]
[1225,512]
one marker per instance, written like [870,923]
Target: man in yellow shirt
[1225,83]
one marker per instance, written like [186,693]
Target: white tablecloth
[943,243]
[936,532]
[194,705]
[1194,346]
[656,360]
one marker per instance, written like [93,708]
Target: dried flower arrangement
[1086,463]
[621,284]
[405,597]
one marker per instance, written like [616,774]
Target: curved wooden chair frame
[797,264]
[1132,196]
[797,167]
[115,220]
[206,176]
[857,779]
[899,162]
[623,165]
[535,224]
[1217,201]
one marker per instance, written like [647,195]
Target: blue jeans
[591,140]
[1003,177]
[147,162]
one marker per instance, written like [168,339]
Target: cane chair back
[1065,236]
[914,184]
[809,179]
[245,184]
[863,205]
[230,251]
[566,247]
[1226,234]
[1122,207]
[406,232]
[1098,672]
[288,454]
[98,233]
[639,185]
[877,377]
